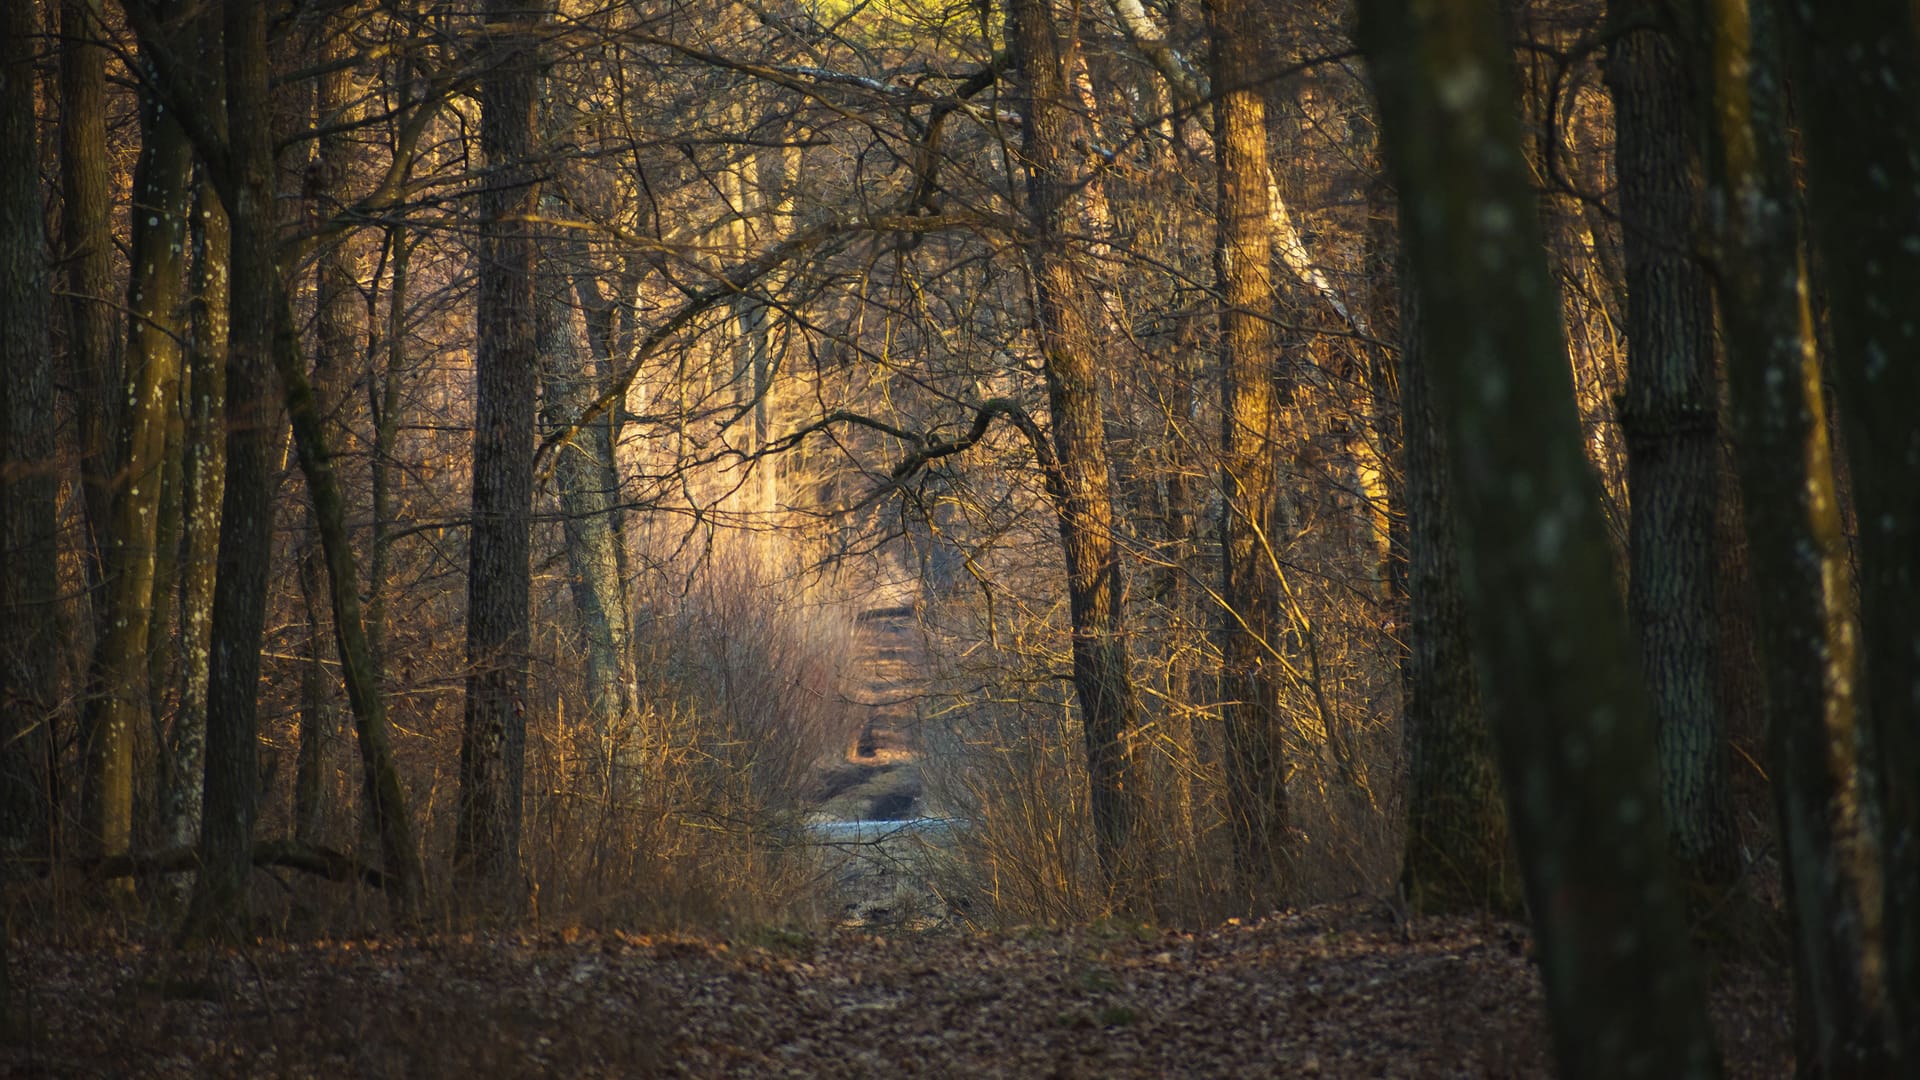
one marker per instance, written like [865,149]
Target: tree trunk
[1458,856]
[88,242]
[117,706]
[493,739]
[29,474]
[202,485]
[385,798]
[1250,466]
[583,470]
[1667,417]
[1798,550]
[1861,121]
[336,342]
[1081,488]
[384,398]
[1557,670]
[246,512]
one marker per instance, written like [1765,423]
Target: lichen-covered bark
[1249,455]
[493,738]
[117,707]
[202,485]
[1857,79]
[1458,856]
[1558,672]
[1081,485]
[1667,418]
[29,478]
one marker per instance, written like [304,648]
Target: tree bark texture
[1860,113]
[1458,855]
[86,236]
[246,512]
[29,474]
[1249,454]
[1558,674]
[1667,417]
[493,740]
[117,705]
[1082,488]
[584,472]
[202,486]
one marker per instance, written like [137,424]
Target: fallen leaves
[1335,991]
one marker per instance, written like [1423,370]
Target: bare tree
[1252,378]
[1080,484]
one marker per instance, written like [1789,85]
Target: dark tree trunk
[337,312]
[1861,120]
[29,475]
[384,400]
[1458,855]
[246,513]
[1558,674]
[1081,487]
[1249,455]
[493,740]
[1798,549]
[1667,417]
[384,797]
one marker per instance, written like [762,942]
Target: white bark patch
[1462,88]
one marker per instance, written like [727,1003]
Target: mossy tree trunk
[117,714]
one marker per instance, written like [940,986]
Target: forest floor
[1343,990]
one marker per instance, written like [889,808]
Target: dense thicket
[635,359]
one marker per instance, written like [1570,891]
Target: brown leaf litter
[1337,991]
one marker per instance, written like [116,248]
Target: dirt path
[878,777]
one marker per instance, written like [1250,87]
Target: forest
[1122,537]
